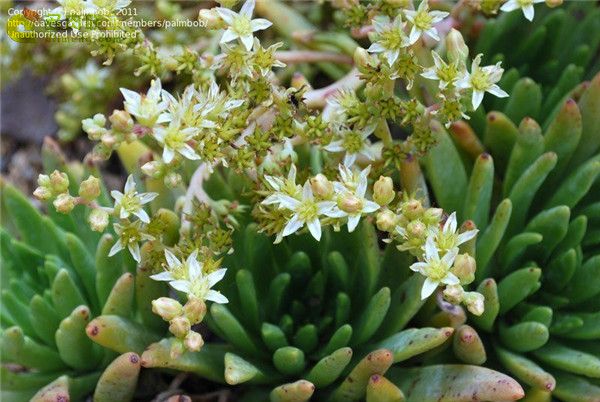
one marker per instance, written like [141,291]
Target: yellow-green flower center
[423,20]
[175,139]
[242,25]
[307,211]
[480,80]
[353,142]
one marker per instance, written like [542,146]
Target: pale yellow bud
[64,203]
[172,179]
[361,58]
[195,310]
[211,19]
[416,229]
[349,203]
[177,348]
[383,190]
[433,216]
[457,49]
[193,341]
[554,3]
[412,209]
[43,180]
[98,220]
[42,193]
[474,302]
[90,188]
[454,294]
[464,268]
[321,186]
[166,308]
[386,221]
[153,169]
[59,182]
[180,326]
[121,121]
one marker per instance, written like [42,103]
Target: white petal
[117,195]
[182,286]
[370,206]
[134,249]
[497,91]
[163,276]
[130,96]
[216,297]
[336,213]
[216,276]
[228,36]
[376,48]
[130,184]
[227,14]
[292,226]
[307,193]
[466,236]
[118,246]
[247,8]
[188,152]
[428,288]
[288,202]
[419,267]
[172,261]
[259,24]
[450,225]
[142,215]
[147,197]
[510,5]
[477,98]
[415,34]
[450,279]
[349,159]
[448,258]
[431,251]
[335,146]
[314,227]
[168,155]
[325,206]
[248,41]
[353,222]
[362,187]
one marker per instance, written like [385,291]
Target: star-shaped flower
[435,270]
[174,139]
[446,74]
[448,239]
[353,143]
[130,236]
[481,80]
[525,5]
[189,278]
[242,26]
[306,212]
[148,109]
[391,39]
[130,202]
[423,21]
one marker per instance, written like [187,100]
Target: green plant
[56,277]
[537,257]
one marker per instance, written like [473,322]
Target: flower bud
[383,190]
[98,220]
[193,341]
[154,169]
[121,121]
[349,203]
[166,308]
[412,209]
[90,188]
[416,229]
[386,220]
[59,182]
[464,268]
[457,49]
[99,119]
[454,294]
[554,3]
[177,348]
[474,302]
[172,179]
[321,186]
[180,326]
[42,193]
[64,203]
[299,80]
[109,139]
[361,58]
[433,216]
[211,19]
[43,180]
[195,310]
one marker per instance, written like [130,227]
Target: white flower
[174,139]
[214,101]
[353,143]
[424,21]
[306,212]
[242,26]
[525,5]
[188,277]
[283,186]
[448,239]
[436,270]
[147,109]
[130,202]
[391,39]
[353,204]
[130,235]
[482,79]
[446,74]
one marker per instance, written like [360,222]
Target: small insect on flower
[525,5]
[436,270]
[481,80]
[241,25]
[188,277]
[148,109]
[130,202]
[424,21]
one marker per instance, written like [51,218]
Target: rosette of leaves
[56,277]
[537,254]
[322,320]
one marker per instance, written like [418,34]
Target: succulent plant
[56,277]
[537,255]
